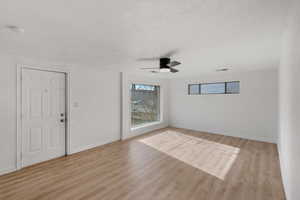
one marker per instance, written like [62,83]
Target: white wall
[289,120]
[94,122]
[127,80]
[7,115]
[251,114]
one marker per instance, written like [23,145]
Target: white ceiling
[243,34]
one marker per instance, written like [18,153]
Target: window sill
[145,125]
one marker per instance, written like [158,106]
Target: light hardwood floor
[140,169]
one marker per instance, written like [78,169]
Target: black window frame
[225,89]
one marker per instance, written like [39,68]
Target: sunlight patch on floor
[213,158]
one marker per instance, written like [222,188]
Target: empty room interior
[150,100]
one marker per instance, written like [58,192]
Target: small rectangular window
[233,87]
[194,89]
[213,88]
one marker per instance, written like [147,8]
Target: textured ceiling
[243,34]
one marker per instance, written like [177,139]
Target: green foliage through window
[145,104]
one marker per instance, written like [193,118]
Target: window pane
[194,89]
[145,105]
[213,88]
[233,87]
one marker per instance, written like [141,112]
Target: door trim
[19,108]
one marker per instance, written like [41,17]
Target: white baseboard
[248,137]
[76,150]
[142,130]
[90,146]
[6,171]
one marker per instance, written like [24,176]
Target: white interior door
[43,115]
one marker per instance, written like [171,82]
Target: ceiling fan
[165,63]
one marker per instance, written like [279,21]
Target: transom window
[232,87]
[145,104]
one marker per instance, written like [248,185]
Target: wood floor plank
[133,170]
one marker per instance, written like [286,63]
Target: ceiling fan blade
[148,59]
[170,53]
[174,63]
[149,68]
[166,55]
[174,70]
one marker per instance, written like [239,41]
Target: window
[145,104]
[215,88]
[233,87]
[194,89]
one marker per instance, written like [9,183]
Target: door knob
[62,120]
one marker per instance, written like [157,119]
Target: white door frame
[19,107]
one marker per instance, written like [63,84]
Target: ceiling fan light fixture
[164,70]
[165,66]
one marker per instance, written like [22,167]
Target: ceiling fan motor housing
[163,62]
